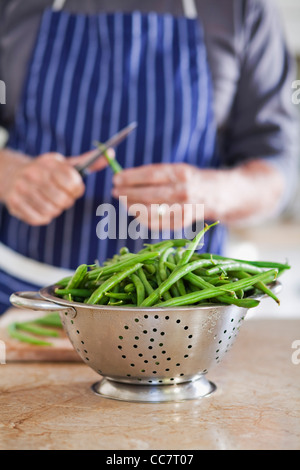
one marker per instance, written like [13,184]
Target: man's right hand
[41,189]
[38,190]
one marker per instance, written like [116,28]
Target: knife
[113,142]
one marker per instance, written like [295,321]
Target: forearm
[249,193]
[10,163]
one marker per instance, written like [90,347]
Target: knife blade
[113,142]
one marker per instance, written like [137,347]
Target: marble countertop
[256,405]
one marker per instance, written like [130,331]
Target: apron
[89,76]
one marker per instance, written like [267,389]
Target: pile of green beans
[171,273]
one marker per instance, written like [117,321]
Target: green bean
[150,268]
[243,303]
[64,282]
[224,298]
[158,247]
[181,287]
[194,245]
[179,284]
[116,288]
[111,282]
[178,273]
[117,259]
[103,301]
[203,271]
[78,277]
[171,260]
[14,333]
[259,264]
[153,283]
[260,285]
[174,291]
[129,287]
[115,166]
[200,282]
[166,295]
[190,288]
[30,327]
[225,266]
[148,288]
[118,295]
[195,297]
[174,243]
[74,292]
[118,302]
[133,298]
[139,287]
[211,279]
[177,257]
[161,264]
[122,264]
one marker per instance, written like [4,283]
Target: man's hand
[40,189]
[173,186]
[247,193]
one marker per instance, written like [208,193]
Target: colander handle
[33,301]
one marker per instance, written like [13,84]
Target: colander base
[154,393]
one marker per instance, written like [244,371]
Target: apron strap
[190,9]
[58,5]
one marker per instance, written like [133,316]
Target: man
[209,84]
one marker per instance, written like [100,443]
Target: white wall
[291,19]
[3,136]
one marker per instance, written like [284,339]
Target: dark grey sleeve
[264,123]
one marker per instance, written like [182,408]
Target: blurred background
[278,240]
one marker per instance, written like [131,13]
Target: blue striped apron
[89,76]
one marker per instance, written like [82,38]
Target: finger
[41,205]
[153,194]
[38,181]
[50,158]
[53,176]
[59,198]
[156,174]
[68,180]
[24,211]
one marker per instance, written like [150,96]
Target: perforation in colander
[78,345]
[152,348]
[150,353]
[225,341]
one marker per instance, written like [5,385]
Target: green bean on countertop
[16,334]
[172,273]
[38,329]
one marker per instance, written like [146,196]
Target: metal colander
[149,354]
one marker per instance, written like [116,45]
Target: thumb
[98,165]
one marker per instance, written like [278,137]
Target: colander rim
[47,294]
